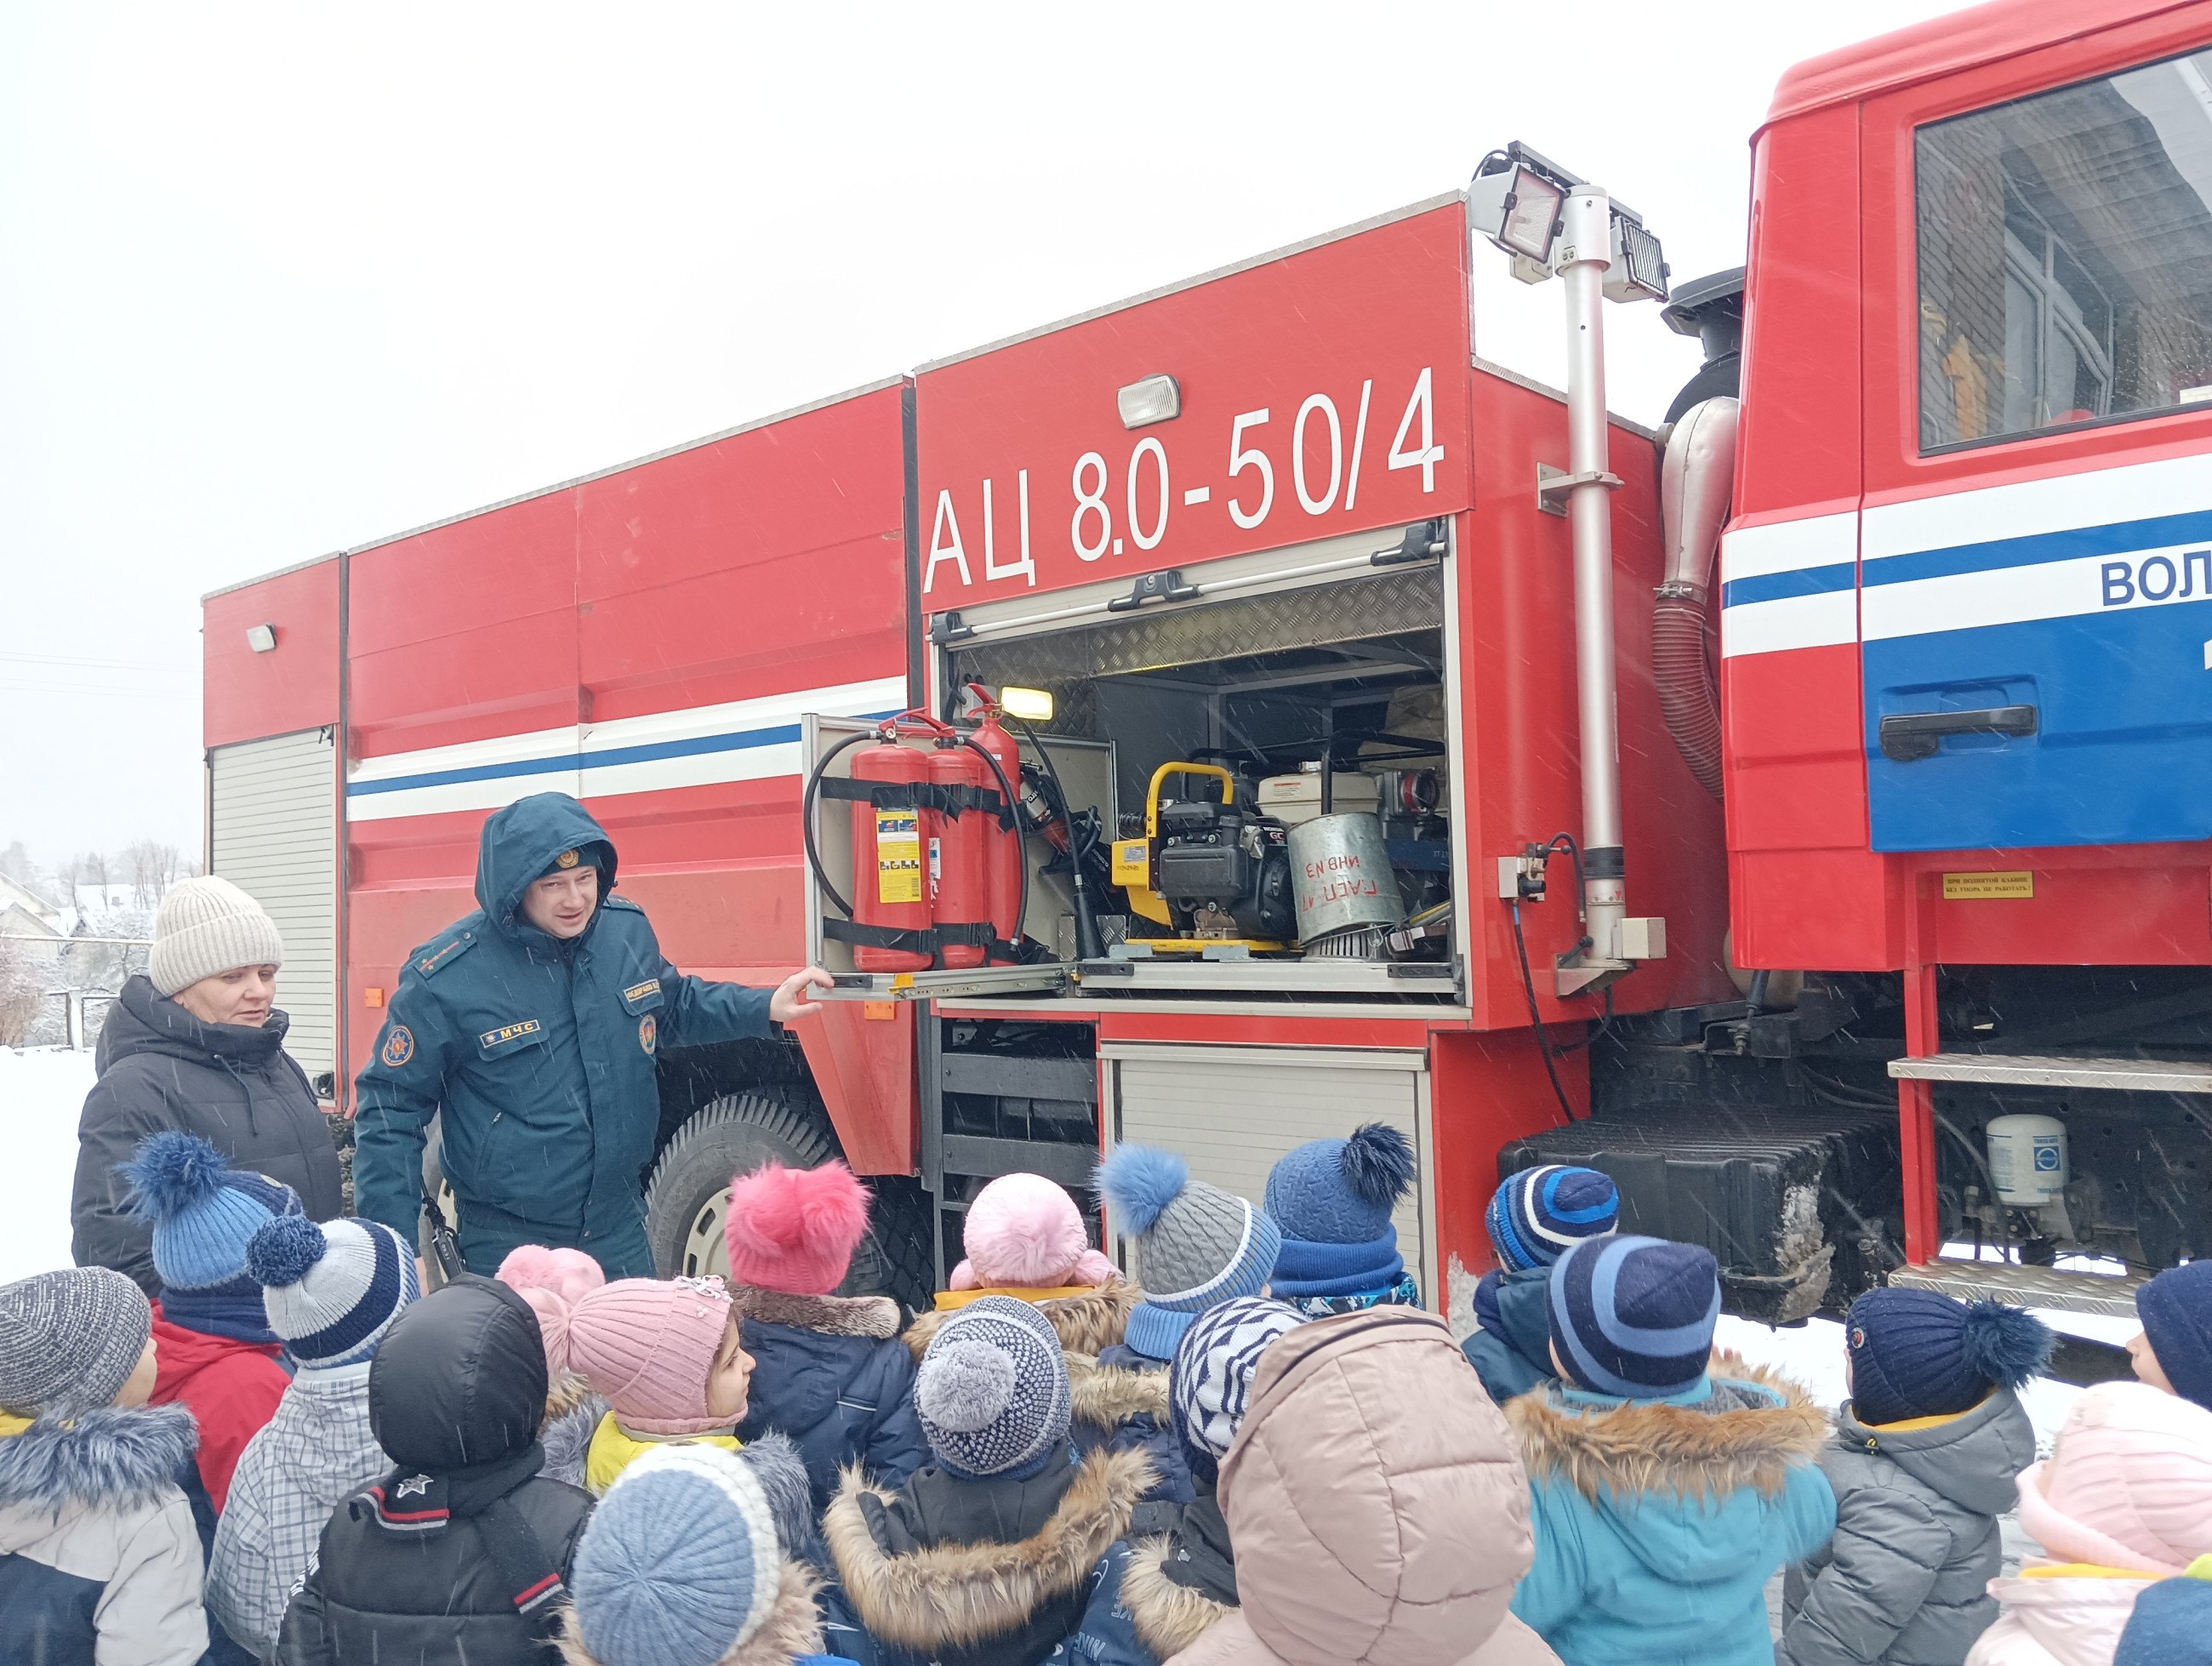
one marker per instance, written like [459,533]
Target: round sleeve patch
[648,1033]
[398,1047]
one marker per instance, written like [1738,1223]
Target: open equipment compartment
[1191,728]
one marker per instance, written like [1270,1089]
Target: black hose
[1543,1045]
[1088,945]
[806,818]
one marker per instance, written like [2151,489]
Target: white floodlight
[1517,208]
[261,638]
[1154,399]
[1638,271]
[1030,705]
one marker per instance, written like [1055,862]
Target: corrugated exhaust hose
[1695,481]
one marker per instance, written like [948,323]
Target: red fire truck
[1245,712]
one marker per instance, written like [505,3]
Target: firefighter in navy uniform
[532,1023]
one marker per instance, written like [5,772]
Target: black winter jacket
[967,1572]
[160,1067]
[462,1552]
[830,1372]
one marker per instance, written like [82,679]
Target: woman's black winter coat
[235,1086]
[455,1397]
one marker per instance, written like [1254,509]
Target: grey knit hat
[205,926]
[993,1392]
[68,1341]
[1197,1245]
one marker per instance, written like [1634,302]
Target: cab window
[2065,256]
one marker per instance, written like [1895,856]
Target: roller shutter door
[273,833]
[1233,1111]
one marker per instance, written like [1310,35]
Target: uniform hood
[520,842]
[1971,1459]
[143,1020]
[458,1381]
[109,1459]
[1377,1507]
[1685,1486]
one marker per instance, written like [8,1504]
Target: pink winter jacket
[1377,1507]
[2127,1490]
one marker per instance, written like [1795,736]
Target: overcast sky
[278,279]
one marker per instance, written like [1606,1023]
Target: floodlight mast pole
[1585,253]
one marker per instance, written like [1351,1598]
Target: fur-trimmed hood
[1088,1324]
[1107,1396]
[1169,1617]
[792,1629]
[1634,1448]
[949,1596]
[110,1459]
[870,1318]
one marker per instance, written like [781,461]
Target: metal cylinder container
[2028,1160]
[1347,897]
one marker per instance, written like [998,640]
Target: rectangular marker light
[1155,399]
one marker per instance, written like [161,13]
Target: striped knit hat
[204,1213]
[1538,1213]
[1210,1382]
[1633,1316]
[332,1290]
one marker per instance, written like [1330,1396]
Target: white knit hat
[205,926]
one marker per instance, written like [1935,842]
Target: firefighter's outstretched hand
[790,999]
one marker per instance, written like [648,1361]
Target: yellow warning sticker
[1986,887]
[898,857]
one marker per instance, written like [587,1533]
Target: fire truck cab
[1271,610]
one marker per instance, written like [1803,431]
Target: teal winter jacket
[1658,1523]
[539,1053]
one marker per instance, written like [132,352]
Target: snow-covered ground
[41,1091]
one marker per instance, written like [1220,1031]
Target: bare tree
[92,867]
[23,995]
[149,868]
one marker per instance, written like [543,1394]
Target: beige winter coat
[1377,1507]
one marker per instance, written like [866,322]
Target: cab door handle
[1908,737]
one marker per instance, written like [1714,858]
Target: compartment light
[1154,399]
[261,638]
[1030,705]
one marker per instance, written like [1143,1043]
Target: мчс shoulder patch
[398,1047]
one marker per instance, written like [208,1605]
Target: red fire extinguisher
[1004,857]
[890,876]
[957,851]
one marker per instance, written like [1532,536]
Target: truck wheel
[688,1196]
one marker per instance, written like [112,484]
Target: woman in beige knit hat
[197,1043]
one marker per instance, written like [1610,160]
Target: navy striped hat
[1633,1316]
[331,1290]
[1539,1212]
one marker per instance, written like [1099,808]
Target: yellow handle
[1152,793]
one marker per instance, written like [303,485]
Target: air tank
[2027,1160]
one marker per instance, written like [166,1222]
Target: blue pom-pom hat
[203,1214]
[1920,1354]
[1333,1199]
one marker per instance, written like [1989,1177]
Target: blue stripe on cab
[2118,538]
[607,759]
[1796,581]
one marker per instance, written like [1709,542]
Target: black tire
[736,1133]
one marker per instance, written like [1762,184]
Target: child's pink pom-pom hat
[1025,1232]
[795,1230]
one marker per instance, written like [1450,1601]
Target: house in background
[24,913]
